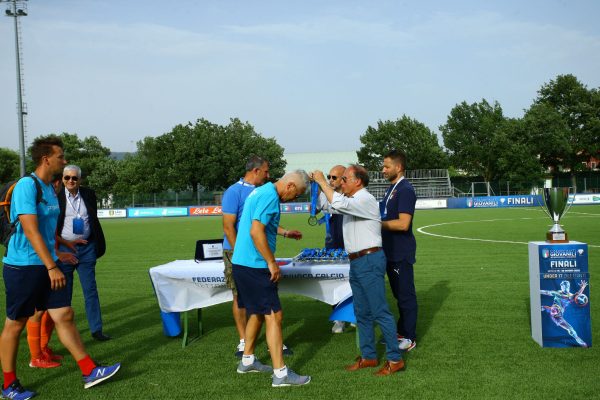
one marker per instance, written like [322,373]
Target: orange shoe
[362,363]
[43,363]
[391,367]
[49,354]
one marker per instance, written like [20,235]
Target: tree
[565,121]
[86,153]
[203,154]
[221,153]
[473,138]
[418,142]
[548,134]
[517,161]
[104,177]
[9,165]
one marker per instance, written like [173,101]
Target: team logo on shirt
[391,196]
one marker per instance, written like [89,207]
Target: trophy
[556,201]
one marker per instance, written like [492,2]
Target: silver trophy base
[557,237]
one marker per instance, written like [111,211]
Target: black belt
[358,254]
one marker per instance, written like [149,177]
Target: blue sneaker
[100,374]
[16,392]
[291,379]
[256,366]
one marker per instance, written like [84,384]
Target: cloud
[329,29]
[138,38]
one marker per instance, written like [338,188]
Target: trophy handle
[569,203]
[542,204]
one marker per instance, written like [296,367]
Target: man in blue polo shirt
[32,278]
[257,173]
[256,274]
[399,244]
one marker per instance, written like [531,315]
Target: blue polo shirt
[233,203]
[399,245]
[261,205]
[23,201]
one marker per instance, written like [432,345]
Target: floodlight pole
[17,12]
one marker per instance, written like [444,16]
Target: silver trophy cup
[556,202]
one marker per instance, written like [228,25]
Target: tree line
[559,131]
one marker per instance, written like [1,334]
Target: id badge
[78,226]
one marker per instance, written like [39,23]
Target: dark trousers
[402,282]
[86,269]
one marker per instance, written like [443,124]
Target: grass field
[474,339]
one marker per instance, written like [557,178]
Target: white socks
[247,360]
[280,372]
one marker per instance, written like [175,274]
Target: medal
[314,194]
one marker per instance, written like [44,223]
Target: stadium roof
[321,161]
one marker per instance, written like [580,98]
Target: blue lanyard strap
[314,194]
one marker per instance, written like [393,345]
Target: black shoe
[287,351]
[101,337]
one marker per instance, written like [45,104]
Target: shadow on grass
[432,301]
[305,330]
[527,302]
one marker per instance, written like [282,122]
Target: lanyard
[314,194]
[78,203]
[387,198]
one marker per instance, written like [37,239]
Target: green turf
[474,338]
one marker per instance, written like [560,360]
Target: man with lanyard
[257,173]
[256,274]
[362,241]
[334,236]
[397,210]
[79,230]
[32,278]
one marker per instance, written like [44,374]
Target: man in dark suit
[79,231]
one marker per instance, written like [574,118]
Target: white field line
[422,229]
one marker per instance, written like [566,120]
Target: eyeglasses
[332,177]
[69,178]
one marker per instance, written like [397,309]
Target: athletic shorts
[227,256]
[62,298]
[26,288]
[256,293]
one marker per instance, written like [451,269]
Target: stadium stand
[428,183]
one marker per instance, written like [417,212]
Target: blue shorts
[62,298]
[26,288]
[256,293]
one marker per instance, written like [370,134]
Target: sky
[314,75]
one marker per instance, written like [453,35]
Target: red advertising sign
[205,210]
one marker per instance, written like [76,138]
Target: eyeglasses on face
[69,178]
[332,177]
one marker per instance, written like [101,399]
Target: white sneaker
[406,344]
[338,327]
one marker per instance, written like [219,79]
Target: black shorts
[63,297]
[26,288]
[256,293]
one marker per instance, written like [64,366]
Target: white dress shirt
[75,208]
[362,221]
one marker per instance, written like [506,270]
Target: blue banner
[565,295]
[495,201]
[157,212]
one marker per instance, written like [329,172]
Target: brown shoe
[390,367]
[362,363]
